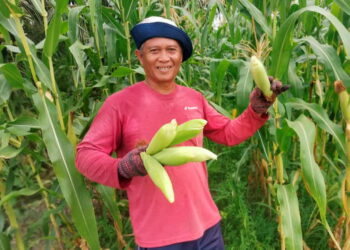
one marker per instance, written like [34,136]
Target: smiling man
[128,120]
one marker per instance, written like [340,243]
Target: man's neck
[162,88]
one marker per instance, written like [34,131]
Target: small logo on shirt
[190,108]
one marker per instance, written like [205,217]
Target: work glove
[258,101]
[131,164]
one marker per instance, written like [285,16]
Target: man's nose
[163,56]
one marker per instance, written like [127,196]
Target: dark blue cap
[144,31]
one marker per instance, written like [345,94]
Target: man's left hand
[259,102]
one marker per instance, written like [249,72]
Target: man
[128,120]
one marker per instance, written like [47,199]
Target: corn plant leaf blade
[122,71]
[14,194]
[12,75]
[5,90]
[4,242]
[312,176]
[73,23]
[53,33]
[257,15]
[294,80]
[289,210]
[108,198]
[319,115]
[328,56]
[282,46]
[61,154]
[96,23]
[244,86]
[344,5]
[9,152]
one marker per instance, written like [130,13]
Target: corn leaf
[294,80]
[290,216]
[257,15]
[5,90]
[329,57]
[108,198]
[344,5]
[282,46]
[61,155]
[96,23]
[244,86]
[73,23]
[4,242]
[14,194]
[9,152]
[320,116]
[312,176]
[12,75]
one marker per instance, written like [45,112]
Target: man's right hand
[131,164]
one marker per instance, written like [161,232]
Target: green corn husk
[180,155]
[162,138]
[343,99]
[188,130]
[260,77]
[158,175]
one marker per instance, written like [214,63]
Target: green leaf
[344,5]
[257,15]
[4,10]
[14,194]
[311,173]
[4,242]
[108,198]
[12,75]
[328,56]
[122,71]
[290,215]
[25,122]
[61,154]
[244,86]
[282,46]
[9,152]
[73,23]
[5,90]
[53,33]
[320,116]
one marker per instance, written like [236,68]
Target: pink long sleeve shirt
[132,116]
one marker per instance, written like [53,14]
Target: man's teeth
[164,68]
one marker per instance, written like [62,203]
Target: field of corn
[288,187]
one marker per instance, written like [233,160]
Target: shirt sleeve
[93,158]
[224,130]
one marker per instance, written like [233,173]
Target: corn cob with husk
[162,138]
[188,130]
[180,155]
[158,175]
[159,147]
[260,77]
[343,99]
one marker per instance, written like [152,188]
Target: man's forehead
[160,42]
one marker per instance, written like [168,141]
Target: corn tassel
[260,77]
[162,138]
[188,130]
[180,155]
[158,175]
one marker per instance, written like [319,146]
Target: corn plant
[59,60]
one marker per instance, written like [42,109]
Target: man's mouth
[164,68]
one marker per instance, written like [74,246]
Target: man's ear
[138,54]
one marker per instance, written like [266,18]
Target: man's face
[161,59]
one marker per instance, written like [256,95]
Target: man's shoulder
[189,90]
[126,92]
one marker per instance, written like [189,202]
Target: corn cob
[260,77]
[162,138]
[343,99]
[158,175]
[188,130]
[180,155]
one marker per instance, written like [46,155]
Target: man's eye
[153,50]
